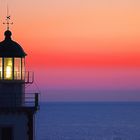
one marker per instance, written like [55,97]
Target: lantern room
[12,59]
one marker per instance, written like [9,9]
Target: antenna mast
[8,18]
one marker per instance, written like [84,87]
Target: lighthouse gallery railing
[28,100]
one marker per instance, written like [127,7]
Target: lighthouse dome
[10,48]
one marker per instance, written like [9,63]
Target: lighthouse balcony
[29,101]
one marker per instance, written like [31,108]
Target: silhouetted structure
[17,108]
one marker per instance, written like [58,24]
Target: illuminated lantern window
[17,68]
[23,69]
[8,68]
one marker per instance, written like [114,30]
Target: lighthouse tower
[17,108]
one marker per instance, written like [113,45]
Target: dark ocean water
[88,121]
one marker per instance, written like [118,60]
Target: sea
[88,121]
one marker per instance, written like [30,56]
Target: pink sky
[79,44]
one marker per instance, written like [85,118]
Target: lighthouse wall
[18,122]
[12,94]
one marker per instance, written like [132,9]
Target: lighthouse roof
[10,48]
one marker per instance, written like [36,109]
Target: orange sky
[77,34]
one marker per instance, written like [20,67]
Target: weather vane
[8,18]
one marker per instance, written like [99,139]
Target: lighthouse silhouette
[17,108]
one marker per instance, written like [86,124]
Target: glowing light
[8,68]
[8,72]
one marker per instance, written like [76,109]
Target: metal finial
[8,18]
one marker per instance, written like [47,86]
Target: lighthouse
[17,108]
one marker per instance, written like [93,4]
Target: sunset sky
[82,50]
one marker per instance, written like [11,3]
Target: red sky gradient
[79,44]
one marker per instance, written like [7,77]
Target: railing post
[32,77]
[36,100]
[28,77]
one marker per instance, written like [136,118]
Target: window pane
[17,68]
[0,68]
[23,68]
[8,71]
